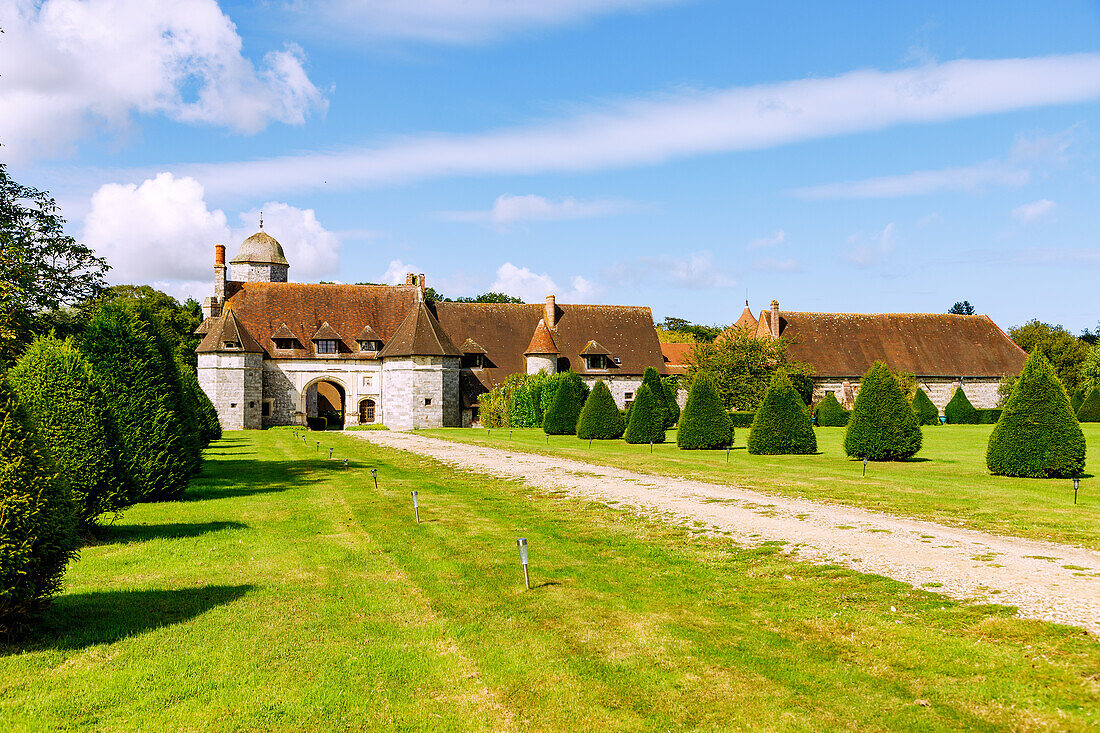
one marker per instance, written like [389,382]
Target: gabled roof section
[469,346]
[542,341]
[228,328]
[593,348]
[326,333]
[204,327]
[676,357]
[283,332]
[368,334]
[420,335]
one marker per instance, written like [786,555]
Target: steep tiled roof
[542,341]
[469,346]
[747,320]
[368,334]
[923,344]
[283,332]
[593,348]
[228,328]
[676,357]
[419,335]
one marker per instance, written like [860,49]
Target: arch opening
[325,398]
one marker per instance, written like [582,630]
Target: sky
[680,154]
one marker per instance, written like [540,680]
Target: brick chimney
[212,307]
[551,312]
[775,319]
[219,254]
[410,279]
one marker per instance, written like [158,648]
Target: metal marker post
[318,445]
[651,446]
[345,464]
[416,506]
[727,454]
[1076,485]
[590,443]
[330,454]
[374,475]
[865,465]
[522,542]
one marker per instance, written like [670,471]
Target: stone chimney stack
[551,312]
[775,319]
[212,307]
[422,283]
[410,279]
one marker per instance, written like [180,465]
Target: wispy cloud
[663,128]
[868,250]
[509,210]
[774,240]
[694,270]
[966,178]
[1032,212]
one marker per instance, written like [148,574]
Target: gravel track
[1043,580]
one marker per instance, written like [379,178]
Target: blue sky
[836,156]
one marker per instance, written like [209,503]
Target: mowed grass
[946,482]
[288,594]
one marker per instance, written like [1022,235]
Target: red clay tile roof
[325,332]
[923,344]
[676,357]
[419,335]
[368,334]
[542,341]
[746,320]
[283,332]
[228,328]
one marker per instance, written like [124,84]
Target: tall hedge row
[210,429]
[782,424]
[647,418]
[37,522]
[704,424]
[57,387]
[883,426]
[959,410]
[830,413]
[600,418]
[927,414]
[1038,435]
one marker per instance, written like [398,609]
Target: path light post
[865,465]
[651,446]
[727,455]
[522,543]
[374,475]
[318,445]
[1076,485]
[345,464]
[416,506]
[330,454]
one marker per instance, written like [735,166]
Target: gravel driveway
[1044,580]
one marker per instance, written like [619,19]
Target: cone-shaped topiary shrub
[1090,408]
[651,379]
[37,524]
[600,418]
[1038,436]
[1077,398]
[704,423]
[883,426]
[561,418]
[927,414]
[782,423]
[57,387]
[139,391]
[830,413]
[670,389]
[647,422]
[959,411]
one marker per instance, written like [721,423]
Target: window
[628,396]
[284,344]
[326,346]
[618,360]
[473,361]
[251,405]
[231,345]
[427,401]
[370,345]
[265,408]
[366,412]
[596,361]
[232,404]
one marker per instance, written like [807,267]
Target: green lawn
[288,594]
[947,482]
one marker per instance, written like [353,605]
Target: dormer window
[370,345]
[473,361]
[285,344]
[327,346]
[234,345]
[596,361]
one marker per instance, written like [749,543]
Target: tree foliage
[830,413]
[1065,352]
[961,308]
[959,410]
[704,423]
[1089,411]
[782,424]
[679,330]
[1038,435]
[927,413]
[647,422]
[671,387]
[883,426]
[742,366]
[600,418]
[1089,374]
[651,379]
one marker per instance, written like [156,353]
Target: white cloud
[462,21]
[396,271]
[532,287]
[966,178]
[866,251]
[1028,213]
[312,251]
[774,240]
[655,130]
[71,65]
[509,209]
[694,270]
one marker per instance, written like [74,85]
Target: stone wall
[246,272]
[982,392]
[234,383]
[620,387]
[421,392]
[286,382]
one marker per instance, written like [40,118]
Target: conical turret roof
[542,341]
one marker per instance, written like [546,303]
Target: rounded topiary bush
[156,450]
[782,423]
[670,386]
[1038,435]
[959,411]
[1089,411]
[57,387]
[37,522]
[883,426]
[830,413]
[561,418]
[600,418]
[647,421]
[927,414]
[704,423]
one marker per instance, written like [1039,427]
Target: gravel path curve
[1044,580]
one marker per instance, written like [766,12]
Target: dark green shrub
[651,379]
[959,411]
[1090,408]
[317,423]
[739,419]
[143,400]
[883,426]
[830,413]
[1077,398]
[671,386]
[1038,436]
[522,408]
[646,419]
[927,414]
[782,425]
[989,416]
[804,385]
[600,418]
[704,424]
[561,418]
[57,388]
[37,522]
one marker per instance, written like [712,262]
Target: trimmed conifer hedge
[600,418]
[521,412]
[651,379]
[561,418]
[959,411]
[1077,398]
[1038,435]
[57,387]
[209,425]
[646,424]
[671,387]
[782,425]
[1089,411]
[830,413]
[704,424]
[883,426]
[37,522]
[156,451]
[927,414]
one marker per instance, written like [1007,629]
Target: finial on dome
[261,221]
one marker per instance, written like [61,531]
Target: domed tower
[260,259]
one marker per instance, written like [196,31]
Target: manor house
[275,352]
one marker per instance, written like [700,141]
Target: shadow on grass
[80,620]
[124,534]
[236,477]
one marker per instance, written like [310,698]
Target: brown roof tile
[283,332]
[419,335]
[368,334]
[593,348]
[325,332]
[542,341]
[747,320]
[469,346]
[228,328]
[676,357]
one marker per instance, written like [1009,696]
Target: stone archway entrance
[325,398]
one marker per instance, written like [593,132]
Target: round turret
[260,259]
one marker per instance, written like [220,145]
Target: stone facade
[622,389]
[982,392]
[251,272]
[421,392]
[234,383]
[542,363]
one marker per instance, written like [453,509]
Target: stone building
[275,352]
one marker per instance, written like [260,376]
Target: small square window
[230,345]
[618,360]
[628,396]
[427,401]
[366,380]
[232,404]
[251,404]
[326,346]
[284,344]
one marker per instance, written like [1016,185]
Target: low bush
[830,413]
[37,522]
[646,419]
[959,411]
[600,418]
[883,426]
[741,419]
[1038,435]
[1089,411]
[927,414]
[704,424]
[782,425]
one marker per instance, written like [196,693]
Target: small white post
[522,543]
[416,506]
